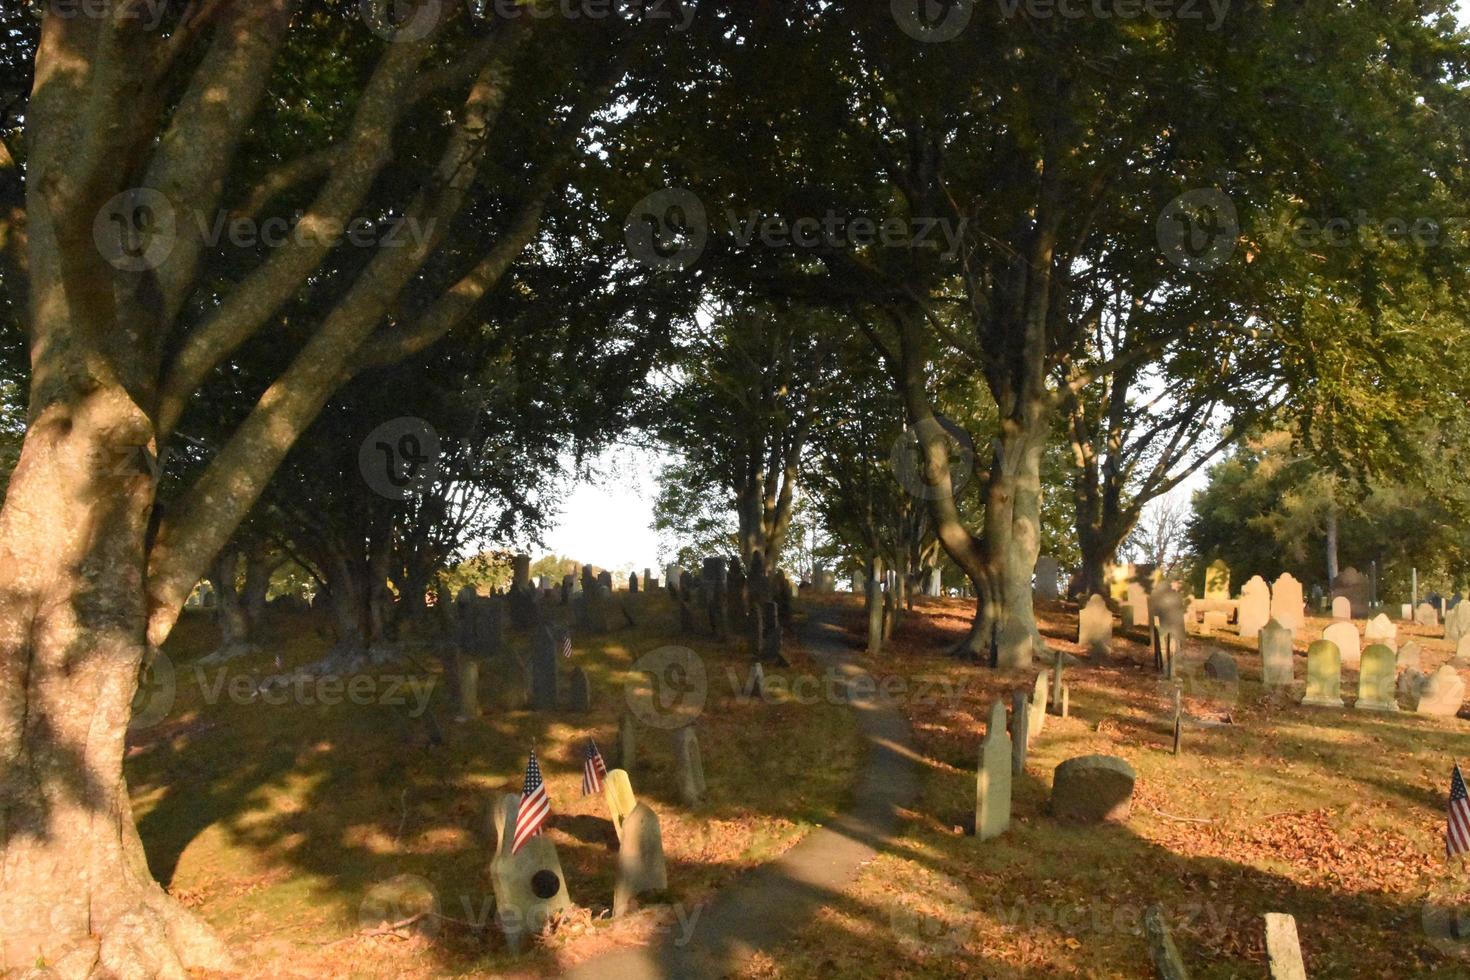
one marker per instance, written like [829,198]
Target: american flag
[593,769]
[535,807]
[1457,832]
[566,644]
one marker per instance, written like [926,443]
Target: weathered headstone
[1352,585]
[1095,627]
[632,582]
[1093,789]
[1161,947]
[1342,608]
[1288,604]
[1376,680]
[1220,666]
[1349,643]
[1020,731]
[627,742]
[1217,580]
[1426,615]
[1283,949]
[1277,662]
[469,690]
[529,886]
[1137,605]
[1037,714]
[520,573]
[784,594]
[688,766]
[617,792]
[641,866]
[1409,655]
[579,691]
[1457,622]
[1254,610]
[543,671]
[1324,675]
[1462,651]
[993,778]
[1381,629]
[1443,694]
[604,579]
[1047,573]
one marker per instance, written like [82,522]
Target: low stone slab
[1093,789]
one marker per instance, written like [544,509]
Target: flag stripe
[535,806]
[1457,824]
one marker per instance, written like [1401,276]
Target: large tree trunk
[74,883]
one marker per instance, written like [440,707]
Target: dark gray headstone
[543,671]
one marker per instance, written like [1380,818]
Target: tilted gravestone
[688,766]
[1443,694]
[1324,675]
[617,792]
[579,691]
[993,778]
[1093,789]
[1345,635]
[1283,950]
[1168,962]
[641,865]
[1376,680]
[529,885]
[1288,603]
[1277,662]
[543,671]
[1255,607]
[1095,627]
[1381,629]
[1020,731]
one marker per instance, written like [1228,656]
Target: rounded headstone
[1093,789]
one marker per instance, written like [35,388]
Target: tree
[135,143]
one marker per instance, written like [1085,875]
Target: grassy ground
[277,822]
[1333,816]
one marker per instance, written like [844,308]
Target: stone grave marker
[1095,627]
[1166,606]
[1457,622]
[1426,615]
[1342,608]
[641,866]
[1352,585]
[1277,660]
[1324,675]
[688,766]
[511,689]
[1047,573]
[543,671]
[1410,687]
[1220,666]
[1462,651]
[1255,607]
[469,690]
[1444,693]
[1376,679]
[617,791]
[1381,629]
[1408,655]
[529,885]
[579,691]
[520,572]
[1037,713]
[632,582]
[1093,789]
[1161,947]
[1283,950]
[993,778]
[1061,693]
[1345,636]
[1288,603]
[1020,731]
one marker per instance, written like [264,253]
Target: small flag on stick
[535,807]
[593,769]
[1457,829]
[566,644]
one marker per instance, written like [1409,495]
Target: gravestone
[529,885]
[1137,605]
[627,742]
[1166,606]
[1093,789]
[1324,675]
[1426,615]
[568,585]
[1406,613]
[1349,644]
[1037,713]
[1380,629]
[713,582]
[469,690]
[1020,731]
[1288,604]
[688,766]
[604,579]
[632,582]
[1255,607]
[1217,580]
[1352,585]
[617,792]
[579,692]
[1283,950]
[1457,622]
[1277,662]
[1376,680]
[520,573]
[1061,694]
[755,634]
[524,612]
[1342,608]
[1443,694]
[1220,666]
[641,866]
[1410,687]
[1408,655]
[1462,651]
[1168,962]
[1047,573]
[543,671]
[1095,627]
[993,778]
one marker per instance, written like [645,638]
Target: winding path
[767,905]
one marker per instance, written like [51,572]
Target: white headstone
[1288,605]
[1255,607]
[993,778]
[1349,643]
[1380,629]
[1342,608]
